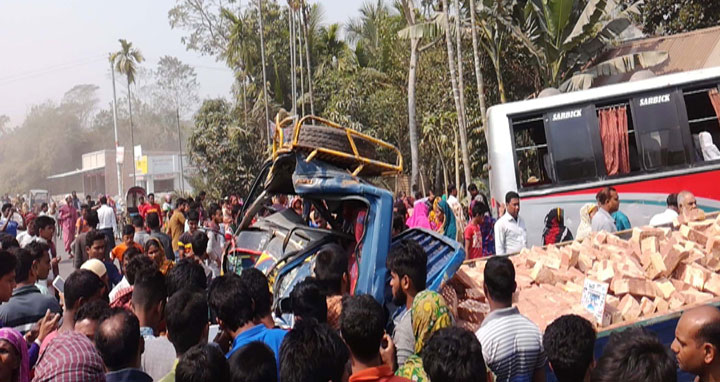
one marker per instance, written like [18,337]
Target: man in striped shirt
[511,343]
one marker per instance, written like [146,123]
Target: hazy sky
[48,46]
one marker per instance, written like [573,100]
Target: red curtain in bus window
[715,99]
[614,136]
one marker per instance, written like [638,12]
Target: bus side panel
[638,200]
[502,161]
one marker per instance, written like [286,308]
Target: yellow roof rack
[332,143]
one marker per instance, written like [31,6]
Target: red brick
[475,294]
[647,306]
[661,305]
[693,235]
[712,285]
[541,274]
[665,288]
[629,308]
[472,311]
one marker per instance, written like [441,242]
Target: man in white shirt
[216,238]
[608,203]
[510,232]
[666,217]
[107,224]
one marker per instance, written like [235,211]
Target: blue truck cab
[331,171]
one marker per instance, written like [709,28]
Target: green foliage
[563,35]
[665,17]
[227,157]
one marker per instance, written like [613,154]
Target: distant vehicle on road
[37,198]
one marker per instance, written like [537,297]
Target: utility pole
[182,173]
[266,133]
[119,172]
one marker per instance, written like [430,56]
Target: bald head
[697,341]
[118,340]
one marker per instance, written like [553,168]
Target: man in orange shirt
[362,324]
[127,242]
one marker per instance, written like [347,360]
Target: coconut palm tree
[125,61]
[454,82]
[461,90]
[478,71]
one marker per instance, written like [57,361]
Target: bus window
[531,152]
[572,145]
[657,125]
[701,117]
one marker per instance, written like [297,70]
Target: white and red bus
[551,150]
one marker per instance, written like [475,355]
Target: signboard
[141,165]
[120,154]
[161,164]
[593,298]
[137,152]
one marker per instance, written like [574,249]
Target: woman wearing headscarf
[14,360]
[429,313]
[435,215]
[555,230]
[586,213]
[449,227]
[156,252]
[419,218]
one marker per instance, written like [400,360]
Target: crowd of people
[158,328]
[483,235]
[155,305]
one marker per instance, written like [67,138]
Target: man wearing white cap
[97,267]
[67,218]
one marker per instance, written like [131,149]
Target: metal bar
[713,118]
[525,148]
[311,156]
[612,106]
[541,118]
[358,169]
[704,90]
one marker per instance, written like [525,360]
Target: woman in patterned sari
[429,314]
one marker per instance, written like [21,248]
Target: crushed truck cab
[330,169]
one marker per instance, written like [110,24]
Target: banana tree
[618,65]
[563,35]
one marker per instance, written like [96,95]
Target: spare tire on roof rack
[324,140]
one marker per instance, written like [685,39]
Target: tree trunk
[244,100]
[478,71]
[456,91]
[132,135]
[412,125]
[409,10]
[461,88]
[265,133]
[457,161]
[302,71]
[293,72]
[307,56]
[498,75]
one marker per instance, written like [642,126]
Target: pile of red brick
[656,271]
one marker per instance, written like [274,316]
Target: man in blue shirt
[232,303]
[95,243]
